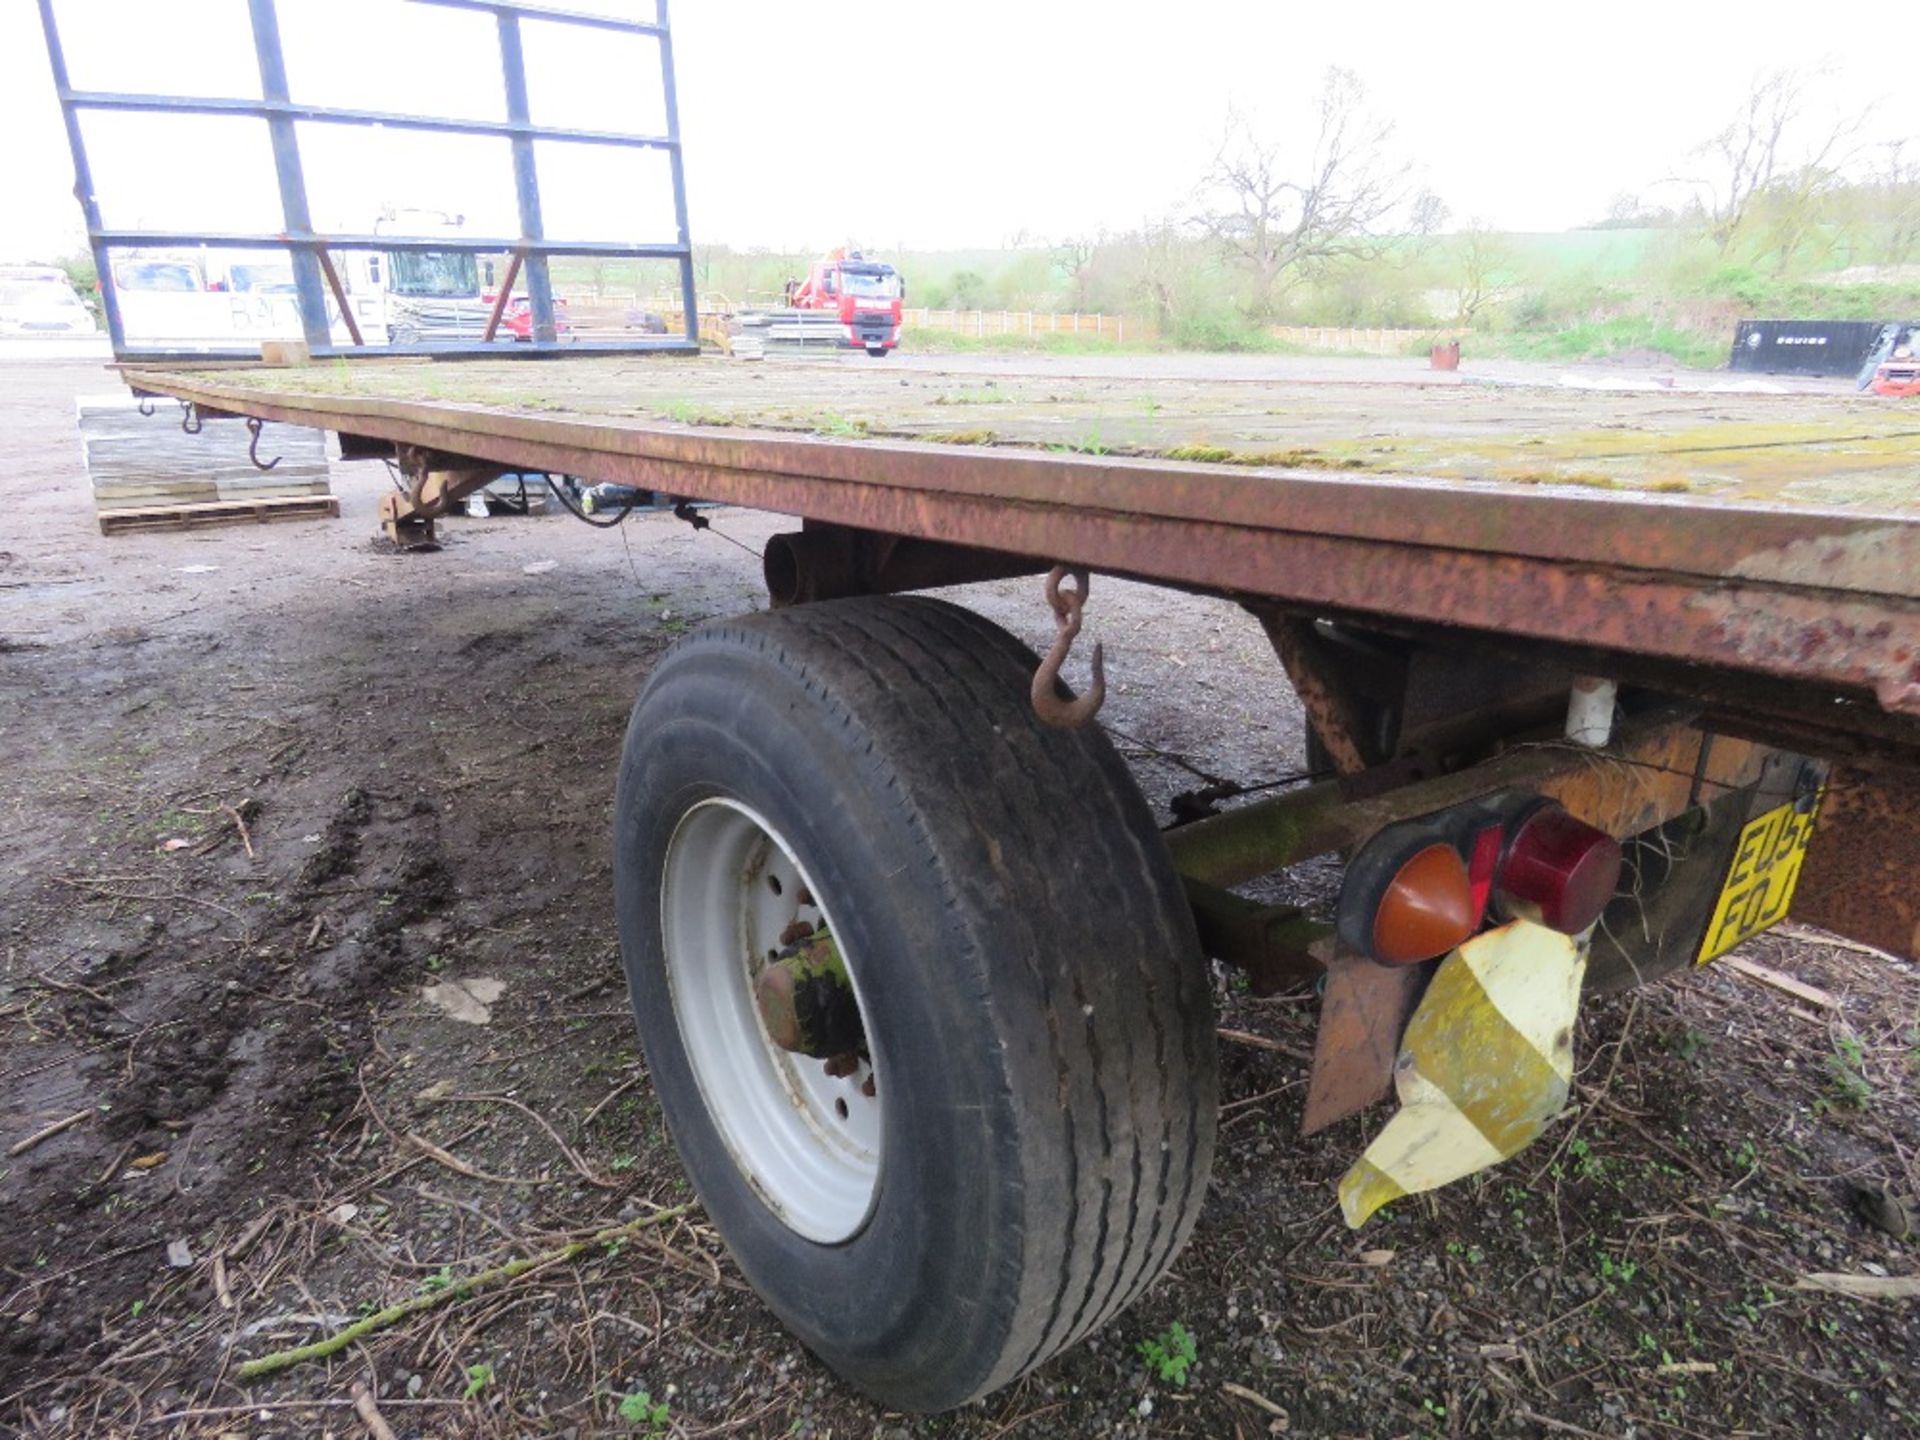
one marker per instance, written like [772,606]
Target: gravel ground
[393,771]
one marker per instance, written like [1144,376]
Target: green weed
[439,1280]
[1171,1353]
[1847,1083]
[1619,1271]
[642,1410]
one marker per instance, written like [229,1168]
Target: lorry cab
[441,295]
[867,297]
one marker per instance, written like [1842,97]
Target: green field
[1580,294]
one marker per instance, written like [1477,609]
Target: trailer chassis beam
[1657,767]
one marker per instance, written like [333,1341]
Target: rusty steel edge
[1878,553]
[1815,597]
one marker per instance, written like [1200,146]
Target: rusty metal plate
[1860,874]
[1362,1015]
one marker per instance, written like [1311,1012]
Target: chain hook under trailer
[1067,606]
[254,427]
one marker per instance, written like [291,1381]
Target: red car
[518,319]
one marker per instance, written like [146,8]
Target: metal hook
[146,406]
[254,428]
[189,417]
[1047,704]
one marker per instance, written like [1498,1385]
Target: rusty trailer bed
[1760,552]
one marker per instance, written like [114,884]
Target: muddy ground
[263,787]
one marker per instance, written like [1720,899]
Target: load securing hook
[1067,605]
[253,446]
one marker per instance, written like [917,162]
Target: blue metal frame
[282,114]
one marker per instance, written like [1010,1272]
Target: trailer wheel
[1011,1135]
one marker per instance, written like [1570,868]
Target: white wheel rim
[809,1143]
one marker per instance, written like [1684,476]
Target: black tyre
[1036,1015]
[879,352]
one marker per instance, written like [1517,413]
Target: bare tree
[1428,214]
[1894,205]
[1160,272]
[1484,274]
[1768,157]
[1278,213]
[1074,256]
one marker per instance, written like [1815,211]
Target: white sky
[929,124]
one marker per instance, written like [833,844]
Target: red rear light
[1420,888]
[1483,866]
[1558,871]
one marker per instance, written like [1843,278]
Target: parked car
[41,302]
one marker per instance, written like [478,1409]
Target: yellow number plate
[1766,867]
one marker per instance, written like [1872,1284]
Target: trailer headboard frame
[311,251]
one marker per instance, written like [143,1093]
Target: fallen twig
[459,1289]
[113,1165]
[240,824]
[128,897]
[1864,1287]
[1261,1042]
[369,1412]
[455,1163]
[1779,980]
[1564,1427]
[609,1098]
[586,1171]
[47,1132]
[1253,1398]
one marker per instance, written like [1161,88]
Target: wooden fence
[1354,340]
[610,314]
[1016,322]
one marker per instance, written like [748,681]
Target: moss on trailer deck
[1833,450]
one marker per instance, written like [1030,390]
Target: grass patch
[1601,339]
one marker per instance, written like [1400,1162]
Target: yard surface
[269,791]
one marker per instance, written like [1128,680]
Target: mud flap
[1486,1062]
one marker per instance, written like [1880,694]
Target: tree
[1074,256]
[968,290]
[1160,271]
[1428,214]
[1278,214]
[1893,201]
[1484,271]
[1768,159]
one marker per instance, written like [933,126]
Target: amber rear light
[1426,909]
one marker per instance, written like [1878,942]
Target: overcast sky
[929,124]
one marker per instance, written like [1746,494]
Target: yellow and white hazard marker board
[1486,1061]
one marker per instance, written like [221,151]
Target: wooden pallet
[220,512]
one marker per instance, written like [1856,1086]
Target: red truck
[846,300]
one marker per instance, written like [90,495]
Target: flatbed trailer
[921,981]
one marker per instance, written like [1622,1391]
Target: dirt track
[421,749]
